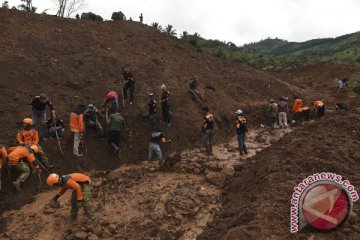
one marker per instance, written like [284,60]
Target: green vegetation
[157,26]
[91,16]
[231,52]
[118,16]
[344,49]
[169,30]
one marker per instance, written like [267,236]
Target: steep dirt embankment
[256,203]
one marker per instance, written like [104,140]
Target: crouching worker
[319,108]
[22,158]
[81,195]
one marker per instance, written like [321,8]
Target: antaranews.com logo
[323,201]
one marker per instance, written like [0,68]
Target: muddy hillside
[194,196]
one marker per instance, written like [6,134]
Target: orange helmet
[35,148]
[52,179]
[28,121]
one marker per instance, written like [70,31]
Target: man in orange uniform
[297,108]
[80,197]
[207,128]
[16,159]
[30,136]
[77,127]
[319,108]
[3,156]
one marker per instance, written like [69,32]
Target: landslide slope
[76,61]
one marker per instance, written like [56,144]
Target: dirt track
[79,61]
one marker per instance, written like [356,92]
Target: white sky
[238,21]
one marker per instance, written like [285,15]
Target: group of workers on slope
[29,156]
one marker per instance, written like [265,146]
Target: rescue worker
[141,17]
[129,84]
[241,130]
[193,88]
[16,159]
[3,157]
[206,129]
[283,110]
[77,127]
[57,126]
[38,106]
[272,113]
[165,105]
[319,108]
[111,102]
[80,184]
[91,116]
[30,136]
[154,146]
[297,108]
[152,110]
[116,124]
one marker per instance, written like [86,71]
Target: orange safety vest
[76,122]
[3,155]
[297,107]
[18,153]
[29,137]
[74,182]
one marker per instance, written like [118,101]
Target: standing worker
[129,84]
[141,17]
[272,108]
[3,157]
[206,129]
[22,158]
[283,110]
[297,108]
[38,107]
[116,124]
[30,136]
[111,102]
[77,127]
[342,83]
[319,108]
[165,105]
[241,130]
[152,110]
[81,195]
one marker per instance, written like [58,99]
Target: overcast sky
[238,21]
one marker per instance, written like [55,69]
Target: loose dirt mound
[256,203]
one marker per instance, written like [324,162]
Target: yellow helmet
[163,87]
[52,179]
[28,121]
[35,148]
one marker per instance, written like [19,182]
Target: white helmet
[239,112]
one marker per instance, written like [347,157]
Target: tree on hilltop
[5,4]
[157,26]
[91,16]
[68,7]
[184,35]
[168,30]
[27,6]
[118,16]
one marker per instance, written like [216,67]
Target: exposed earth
[196,196]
